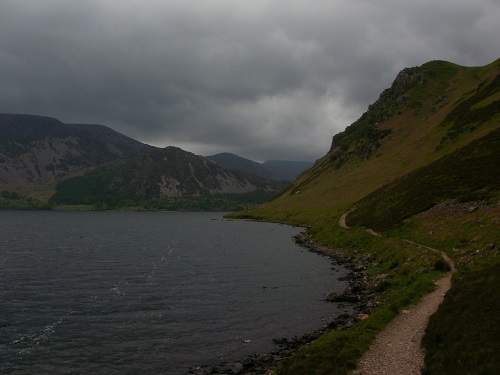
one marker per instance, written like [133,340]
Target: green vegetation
[462,337]
[431,177]
[87,189]
[467,232]
[467,115]
[468,174]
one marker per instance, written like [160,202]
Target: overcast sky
[265,79]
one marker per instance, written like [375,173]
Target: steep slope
[470,173]
[40,150]
[157,178]
[421,167]
[233,161]
[429,112]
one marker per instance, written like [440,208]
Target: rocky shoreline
[358,295]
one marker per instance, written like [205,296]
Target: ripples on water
[144,292]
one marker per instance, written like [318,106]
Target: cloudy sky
[265,79]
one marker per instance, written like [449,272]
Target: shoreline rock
[358,294]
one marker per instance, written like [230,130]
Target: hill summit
[429,112]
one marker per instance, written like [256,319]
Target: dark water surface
[150,292]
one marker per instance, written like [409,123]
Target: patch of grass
[467,115]
[469,236]
[13,200]
[89,189]
[464,174]
[463,336]
[435,77]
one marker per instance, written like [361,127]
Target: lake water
[151,292]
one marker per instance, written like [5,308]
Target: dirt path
[342,222]
[397,348]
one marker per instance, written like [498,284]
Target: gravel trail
[397,348]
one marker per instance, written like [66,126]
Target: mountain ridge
[38,153]
[409,149]
[39,149]
[276,170]
[164,178]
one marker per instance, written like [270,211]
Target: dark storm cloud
[263,79]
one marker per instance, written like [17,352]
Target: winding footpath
[397,348]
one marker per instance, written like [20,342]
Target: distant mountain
[40,150]
[233,161]
[159,178]
[277,170]
[44,160]
[288,168]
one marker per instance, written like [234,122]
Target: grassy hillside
[430,141]
[468,174]
[415,135]
[451,348]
